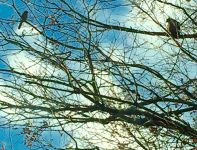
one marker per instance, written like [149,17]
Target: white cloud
[24,62]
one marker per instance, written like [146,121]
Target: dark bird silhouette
[173,27]
[23,18]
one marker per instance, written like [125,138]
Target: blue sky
[5,13]
[12,138]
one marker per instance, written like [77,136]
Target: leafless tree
[108,74]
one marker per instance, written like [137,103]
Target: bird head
[168,20]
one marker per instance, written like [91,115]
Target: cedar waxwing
[23,18]
[173,27]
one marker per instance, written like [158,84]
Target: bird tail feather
[20,25]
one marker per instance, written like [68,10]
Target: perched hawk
[173,27]
[23,18]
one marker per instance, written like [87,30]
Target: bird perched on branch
[23,18]
[173,27]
